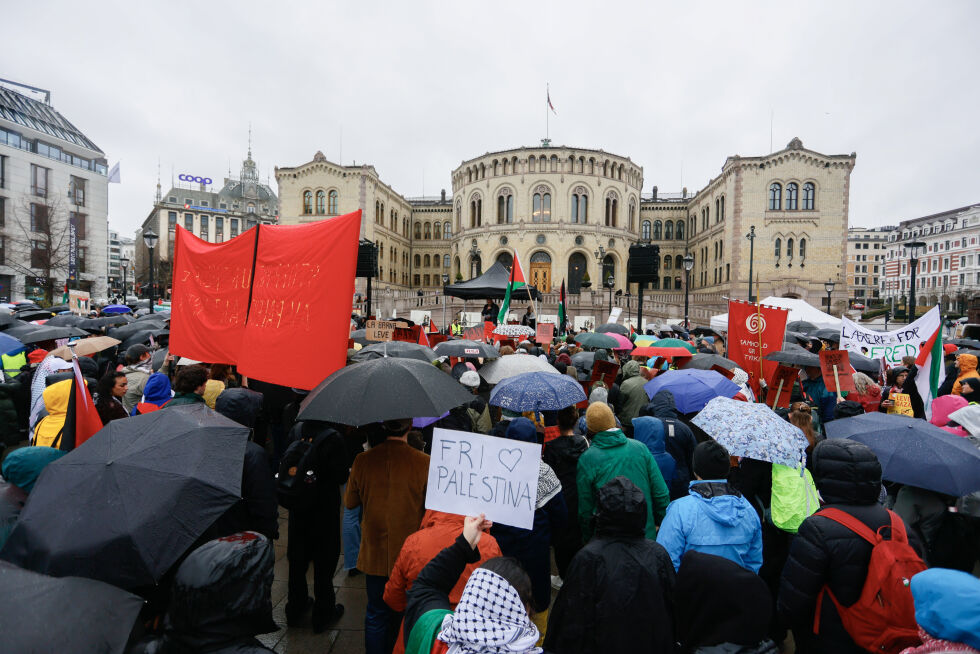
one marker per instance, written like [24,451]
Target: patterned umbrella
[514,364]
[692,389]
[537,391]
[592,339]
[513,330]
[753,431]
[675,342]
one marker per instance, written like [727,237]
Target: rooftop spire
[159,193]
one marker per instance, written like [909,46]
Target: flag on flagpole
[114,177]
[64,295]
[82,420]
[929,362]
[551,106]
[423,339]
[517,280]
[433,329]
[561,309]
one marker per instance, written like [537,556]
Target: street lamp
[150,238]
[688,265]
[610,282]
[124,264]
[913,247]
[829,287]
[751,237]
[445,283]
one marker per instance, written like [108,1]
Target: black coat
[617,593]
[258,510]
[848,476]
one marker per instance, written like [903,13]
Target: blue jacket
[714,519]
[653,433]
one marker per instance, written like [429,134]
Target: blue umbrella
[9,343]
[537,391]
[753,431]
[913,452]
[116,308]
[692,388]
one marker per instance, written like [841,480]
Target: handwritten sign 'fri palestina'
[471,474]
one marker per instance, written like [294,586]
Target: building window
[3,171]
[778,248]
[418,231]
[632,216]
[666,281]
[505,209]
[775,196]
[204,227]
[332,202]
[80,260]
[39,180]
[802,249]
[219,229]
[445,261]
[417,280]
[321,204]
[39,251]
[669,230]
[808,193]
[580,207]
[612,208]
[447,229]
[307,202]
[418,260]
[541,208]
[39,217]
[79,219]
[437,231]
[3,257]
[189,222]
[792,193]
[658,230]
[476,212]
[426,261]
[679,234]
[722,208]
[233,229]
[76,190]
[171,221]
[428,231]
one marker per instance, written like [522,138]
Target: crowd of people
[648,534]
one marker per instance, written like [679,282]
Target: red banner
[211,285]
[300,295]
[753,332]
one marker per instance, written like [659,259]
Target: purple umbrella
[692,388]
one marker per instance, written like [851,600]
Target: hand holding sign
[837,371]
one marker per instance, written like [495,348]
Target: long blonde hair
[864,384]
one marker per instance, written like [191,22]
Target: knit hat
[469,379]
[599,395]
[711,460]
[599,417]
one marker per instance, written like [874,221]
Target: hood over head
[239,404]
[718,601]
[621,509]
[23,466]
[433,518]
[967,363]
[663,404]
[944,405]
[56,397]
[946,604]
[631,369]
[846,472]
[157,389]
[522,429]
[650,431]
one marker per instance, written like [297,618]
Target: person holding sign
[896,381]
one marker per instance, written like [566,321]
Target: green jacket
[632,396]
[185,398]
[612,455]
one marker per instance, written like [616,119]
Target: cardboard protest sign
[782,383]
[544,332]
[488,328]
[836,369]
[902,404]
[407,334]
[604,371]
[380,330]
[474,334]
[470,474]
[615,314]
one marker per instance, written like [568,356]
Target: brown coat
[389,481]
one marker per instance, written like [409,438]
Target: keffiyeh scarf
[490,619]
[548,484]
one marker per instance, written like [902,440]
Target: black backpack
[296,481]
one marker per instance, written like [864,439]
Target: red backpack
[883,618]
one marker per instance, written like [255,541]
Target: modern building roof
[42,117]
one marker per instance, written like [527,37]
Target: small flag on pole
[562,317]
[551,106]
[517,280]
[114,177]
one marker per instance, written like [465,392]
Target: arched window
[789,248]
[437,230]
[792,194]
[530,164]
[428,231]
[447,230]
[802,248]
[307,202]
[541,206]
[669,230]
[459,215]
[658,230]
[445,257]
[632,216]
[668,262]
[717,209]
[679,234]
[501,209]
[418,260]
[775,196]
[645,230]
[808,193]
[678,262]
[426,262]
[612,208]
[554,164]
[580,206]
[777,248]
[476,211]
[321,203]
[722,217]
[418,230]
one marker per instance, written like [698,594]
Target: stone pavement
[346,636]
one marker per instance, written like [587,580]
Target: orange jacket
[437,532]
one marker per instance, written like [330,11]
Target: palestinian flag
[929,362]
[82,419]
[517,280]
[561,309]
[64,295]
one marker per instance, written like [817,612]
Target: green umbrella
[675,342]
[592,339]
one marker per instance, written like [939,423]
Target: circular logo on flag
[755,323]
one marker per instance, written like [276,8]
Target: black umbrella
[124,332]
[26,306]
[613,327]
[702,331]
[142,337]
[794,357]
[97,324]
[466,349]
[863,364]
[678,329]
[124,506]
[68,614]
[45,333]
[34,314]
[159,315]
[796,338]
[967,343]
[914,452]
[360,336]
[7,320]
[706,361]
[58,308]
[975,353]
[396,349]
[66,320]
[20,329]
[801,326]
[827,335]
[158,357]
[583,360]
[383,389]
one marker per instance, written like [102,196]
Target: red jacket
[437,532]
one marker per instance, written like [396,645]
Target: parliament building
[572,213]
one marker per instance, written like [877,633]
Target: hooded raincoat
[56,398]
[156,394]
[715,519]
[941,408]
[968,368]
[680,442]
[632,396]
[652,432]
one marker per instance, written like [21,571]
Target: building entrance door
[541,272]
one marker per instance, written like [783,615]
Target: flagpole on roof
[547,116]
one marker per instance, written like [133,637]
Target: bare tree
[41,227]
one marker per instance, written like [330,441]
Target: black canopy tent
[491,284]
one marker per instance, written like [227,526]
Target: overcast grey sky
[417,87]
